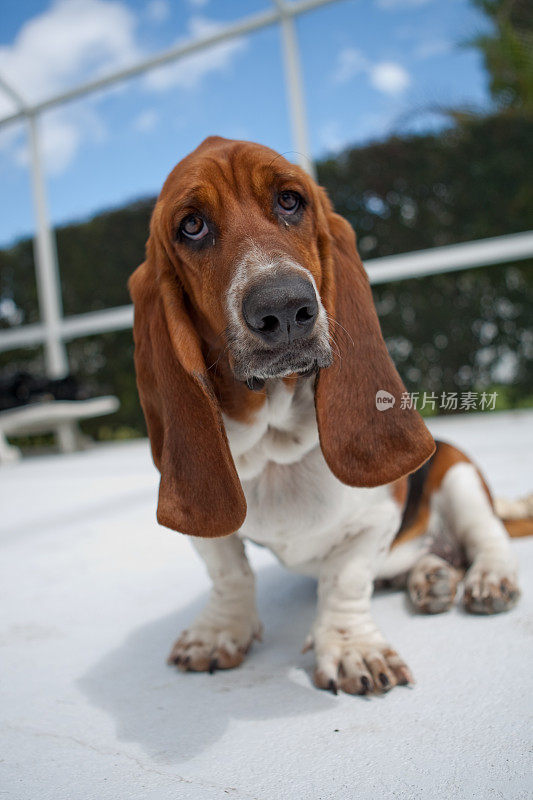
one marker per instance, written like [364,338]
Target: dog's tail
[516,515]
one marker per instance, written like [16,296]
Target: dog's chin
[261,367]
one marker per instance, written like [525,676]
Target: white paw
[206,647]
[356,665]
[490,588]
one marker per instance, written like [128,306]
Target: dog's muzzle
[283,330]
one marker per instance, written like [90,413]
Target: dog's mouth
[256,384]
[304,359]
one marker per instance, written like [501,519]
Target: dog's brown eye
[194,227]
[289,202]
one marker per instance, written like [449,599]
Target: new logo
[384,400]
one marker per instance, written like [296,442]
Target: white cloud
[350,62]
[198,3]
[59,142]
[429,49]
[394,4]
[146,121]
[188,72]
[158,10]
[11,135]
[74,40]
[70,40]
[386,76]
[62,131]
[389,77]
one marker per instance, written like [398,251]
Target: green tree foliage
[115,242]
[466,330]
[96,259]
[507,50]
[453,332]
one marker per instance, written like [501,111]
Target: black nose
[281,310]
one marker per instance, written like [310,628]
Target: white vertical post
[295,95]
[48,284]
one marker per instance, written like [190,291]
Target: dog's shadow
[173,715]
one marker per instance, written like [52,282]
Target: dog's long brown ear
[363,445]
[199,493]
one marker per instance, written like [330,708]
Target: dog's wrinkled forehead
[222,177]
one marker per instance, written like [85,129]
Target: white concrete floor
[94,593]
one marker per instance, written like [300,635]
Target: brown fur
[178,402]
[519,527]
[445,456]
[399,491]
[363,446]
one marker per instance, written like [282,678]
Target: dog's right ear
[363,445]
[200,492]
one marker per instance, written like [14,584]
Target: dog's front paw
[208,647]
[490,588]
[356,665]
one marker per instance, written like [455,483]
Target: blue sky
[370,67]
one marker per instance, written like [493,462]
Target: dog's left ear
[199,493]
[363,445]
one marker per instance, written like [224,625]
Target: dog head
[250,275]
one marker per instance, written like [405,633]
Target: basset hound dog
[259,356]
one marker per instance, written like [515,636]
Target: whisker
[229,340]
[331,318]
[215,363]
[339,336]
[334,346]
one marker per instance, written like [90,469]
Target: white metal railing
[452,257]
[421,263]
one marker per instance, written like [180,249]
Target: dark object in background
[22,389]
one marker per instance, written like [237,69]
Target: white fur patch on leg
[222,634]
[351,653]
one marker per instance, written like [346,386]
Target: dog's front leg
[351,653]
[221,635]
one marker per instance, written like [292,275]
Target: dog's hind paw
[490,589]
[432,585]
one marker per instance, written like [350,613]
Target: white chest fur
[296,506]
